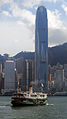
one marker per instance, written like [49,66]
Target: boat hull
[28,102]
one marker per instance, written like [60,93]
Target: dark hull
[28,102]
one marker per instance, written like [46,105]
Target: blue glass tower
[41,48]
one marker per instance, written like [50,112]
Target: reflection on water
[56,108]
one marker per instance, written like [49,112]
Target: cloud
[54,20]
[24,14]
[55,24]
[64,8]
[31,3]
[2,2]
[54,17]
[18,34]
[14,38]
[6,13]
[52,1]
[57,30]
[57,36]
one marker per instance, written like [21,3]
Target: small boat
[28,99]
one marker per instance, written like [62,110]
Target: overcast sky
[17,24]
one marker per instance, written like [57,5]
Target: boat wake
[4,106]
[49,104]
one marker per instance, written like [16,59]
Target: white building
[9,82]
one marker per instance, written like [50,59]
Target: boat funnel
[30,90]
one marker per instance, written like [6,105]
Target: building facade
[28,74]
[65,71]
[19,71]
[0,77]
[9,81]
[41,48]
[59,82]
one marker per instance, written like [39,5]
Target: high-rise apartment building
[41,47]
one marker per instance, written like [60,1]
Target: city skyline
[17,24]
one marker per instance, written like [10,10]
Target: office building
[0,77]
[41,48]
[19,65]
[28,74]
[59,82]
[19,71]
[9,81]
[65,71]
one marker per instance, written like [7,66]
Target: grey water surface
[56,108]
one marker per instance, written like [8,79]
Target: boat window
[33,95]
[42,95]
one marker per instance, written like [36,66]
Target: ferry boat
[29,99]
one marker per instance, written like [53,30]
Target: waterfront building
[51,79]
[65,84]
[19,65]
[65,71]
[9,81]
[0,68]
[25,73]
[41,48]
[0,77]
[53,73]
[65,77]
[28,74]
[59,82]
[19,71]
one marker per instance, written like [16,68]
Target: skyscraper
[9,81]
[41,48]
[28,74]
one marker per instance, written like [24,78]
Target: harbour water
[56,108]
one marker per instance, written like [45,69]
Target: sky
[17,24]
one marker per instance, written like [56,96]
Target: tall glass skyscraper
[41,48]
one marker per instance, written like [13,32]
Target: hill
[55,54]
[58,54]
